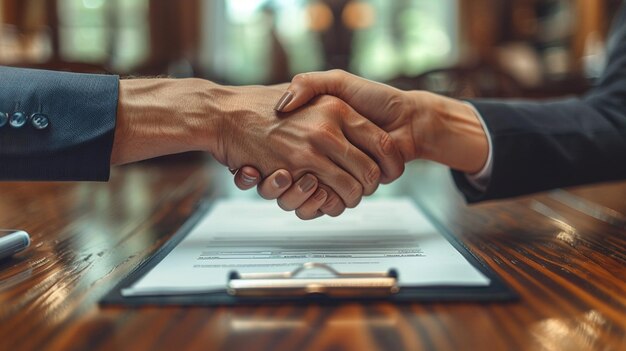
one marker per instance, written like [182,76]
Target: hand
[389,108]
[422,124]
[325,139]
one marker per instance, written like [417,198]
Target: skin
[336,154]
[422,125]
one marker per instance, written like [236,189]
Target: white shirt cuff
[481,179]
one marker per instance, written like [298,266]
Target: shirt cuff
[481,179]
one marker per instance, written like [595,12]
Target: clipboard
[284,287]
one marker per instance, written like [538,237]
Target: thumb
[247,177]
[306,86]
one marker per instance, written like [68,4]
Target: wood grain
[556,249]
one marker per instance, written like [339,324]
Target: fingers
[310,209]
[247,177]
[333,206]
[298,194]
[349,189]
[304,196]
[377,144]
[275,184]
[323,201]
[309,198]
[334,144]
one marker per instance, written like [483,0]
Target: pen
[12,241]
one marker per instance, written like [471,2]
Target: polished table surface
[564,252]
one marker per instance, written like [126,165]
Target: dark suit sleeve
[544,145]
[76,144]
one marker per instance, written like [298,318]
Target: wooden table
[564,252]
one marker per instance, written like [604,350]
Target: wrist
[158,117]
[243,111]
[454,136]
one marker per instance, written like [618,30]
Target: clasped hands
[335,137]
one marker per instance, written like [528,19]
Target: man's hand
[326,139]
[423,125]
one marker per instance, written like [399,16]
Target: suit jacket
[544,145]
[68,125]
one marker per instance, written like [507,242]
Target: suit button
[4,119]
[39,121]
[18,119]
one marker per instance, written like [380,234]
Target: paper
[251,236]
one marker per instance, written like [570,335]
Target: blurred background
[462,48]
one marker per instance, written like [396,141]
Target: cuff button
[39,121]
[18,119]
[4,119]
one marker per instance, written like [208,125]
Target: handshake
[317,145]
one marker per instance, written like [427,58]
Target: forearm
[158,117]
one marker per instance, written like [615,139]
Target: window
[104,31]
[385,38]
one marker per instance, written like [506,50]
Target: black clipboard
[496,291]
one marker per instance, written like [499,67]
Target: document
[250,236]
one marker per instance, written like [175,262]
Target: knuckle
[395,103]
[331,203]
[300,78]
[354,194]
[373,174]
[372,180]
[326,132]
[334,106]
[326,129]
[393,174]
[385,143]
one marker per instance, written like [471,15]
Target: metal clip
[287,284]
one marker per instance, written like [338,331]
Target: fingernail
[280,181]
[306,183]
[247,179]
[284,100]
[320,195]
